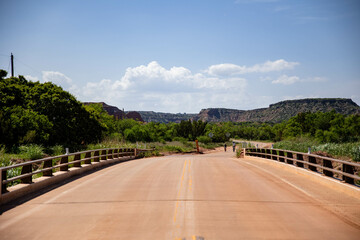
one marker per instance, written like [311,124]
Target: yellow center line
[190,177]
[179,192]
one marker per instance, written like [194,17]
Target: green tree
[43,113]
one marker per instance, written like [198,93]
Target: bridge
[264,195]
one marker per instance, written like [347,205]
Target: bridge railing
[26,171]
[345,171]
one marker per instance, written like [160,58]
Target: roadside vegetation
[41,119]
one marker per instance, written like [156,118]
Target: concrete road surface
[210,196]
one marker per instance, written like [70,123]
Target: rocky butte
[280,111]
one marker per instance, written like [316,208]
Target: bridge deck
[210,196]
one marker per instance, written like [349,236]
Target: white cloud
[57,78]
[227,69]
[177,89]
[31,78]
[288,80]
[153,87]
[316,79]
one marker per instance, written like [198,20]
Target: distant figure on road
[234,146]
[225,147]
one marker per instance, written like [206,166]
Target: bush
[356,154]
[204,139]
[32,151]
[57,150]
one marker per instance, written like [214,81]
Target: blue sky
[182,56]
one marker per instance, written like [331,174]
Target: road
[209,196]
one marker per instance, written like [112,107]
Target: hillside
[275,113]
[150,116]
[280,111]
[111,110]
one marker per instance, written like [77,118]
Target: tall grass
[110,143]
[339,150]
[57,150]
[31,151]
[5,160]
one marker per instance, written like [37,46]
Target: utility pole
[12,65]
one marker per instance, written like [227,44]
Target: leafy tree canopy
[43,113]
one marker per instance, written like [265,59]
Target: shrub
[57,150]
[204,139]
[32,151]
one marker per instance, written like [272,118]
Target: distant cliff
[275,113]
[111,110]
[117,113]
[279,112]
[134,115]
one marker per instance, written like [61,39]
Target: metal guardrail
[47,166]
[335,168]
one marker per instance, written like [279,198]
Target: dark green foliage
[322,127]
[190,129]
[107,122]
[32,112]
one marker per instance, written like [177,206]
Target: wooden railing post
[24,170]
[328,164]
[77,157]
[348,169]
[274,155]
[116,154]
[268,152]
[281,154]
[48,164]
[312,160]
[96,155]
[263,153]
[289,155]
[109,154]
[88,155]
[301,158]
[64,159]
[103,153]
[3,176]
